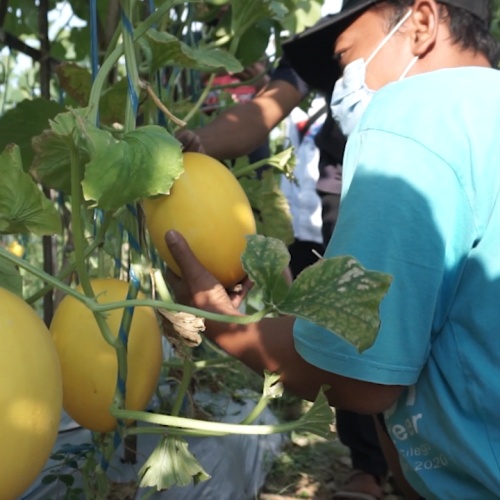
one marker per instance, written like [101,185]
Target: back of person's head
[467,29]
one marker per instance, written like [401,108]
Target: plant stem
[256,411]
[201,99]
[66,271]
[131,65]
[248,169]
[79,239]
[220,428]
[187,374]
[113,57]
[145,85]
[121,345]
[239,320]
[95,307]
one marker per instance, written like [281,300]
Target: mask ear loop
[389,36]
[409,67]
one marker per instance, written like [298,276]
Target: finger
[238,294]
[196,276]
[190,141]
[177,288]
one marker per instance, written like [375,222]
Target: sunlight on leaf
[335,293]
[318,419]
[340,295]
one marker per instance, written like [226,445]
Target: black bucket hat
[311,52]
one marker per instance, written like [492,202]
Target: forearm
[268,345]
[234,133]
[245,126]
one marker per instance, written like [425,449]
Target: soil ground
[310,467]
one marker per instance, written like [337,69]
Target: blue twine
[126,321]
[94,42]
[94,45]
[131,239]
[134,98]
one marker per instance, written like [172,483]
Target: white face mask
[350,95]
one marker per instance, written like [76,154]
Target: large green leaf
[27,120]
[336,293]
[165,49]
[340,295]
[114,172]
[23,206]
[145,163]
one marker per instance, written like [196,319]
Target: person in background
[419,101]
[239,130]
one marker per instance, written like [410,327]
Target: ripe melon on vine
[208,206]
[30,395]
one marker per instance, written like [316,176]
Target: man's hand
[197,287]
[191,142]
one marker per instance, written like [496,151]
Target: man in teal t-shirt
[420,103]
[431,220]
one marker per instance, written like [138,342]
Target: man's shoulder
[443,103]
[437,91]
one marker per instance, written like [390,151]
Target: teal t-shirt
[421,201]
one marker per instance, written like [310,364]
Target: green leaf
[272,388]
[247,14]
[67,479]
[270,206]
[319,417]
[52,163]
[171,464]
[254,42]
[167,50]
[335,293]
[50,478]
[145,163]
[302,14]
[10,278]
[23,206]
[76,81]
[285,161]
[113,101]
[264,260]
[340,295]
[27,120]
